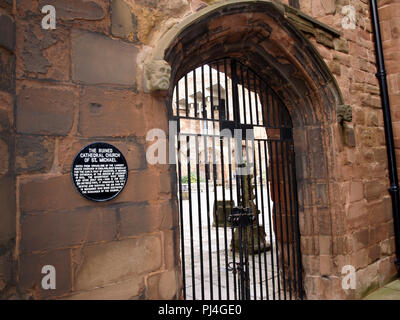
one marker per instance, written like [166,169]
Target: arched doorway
[258,35]
[236,186]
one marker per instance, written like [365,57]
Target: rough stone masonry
[83,82]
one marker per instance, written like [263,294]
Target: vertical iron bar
[257,220]
[207,167]
[243,94]
[232,230]
[251,227]
[207,171]
[224,208]
[190,216]
[181,208]
[263,218]
[249,94]
[211,94]
[256,98]
[275,218]
[216,220]
[186,96]
[226,91]
[195,93]
[199,216]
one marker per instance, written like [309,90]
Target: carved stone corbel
[157,75]
[344,113]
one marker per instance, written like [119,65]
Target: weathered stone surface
[111,113]
[7,70]
[324,38]
[126,290]
[59,230]
[7,216]
[50,193]
[4,157]
[144,186]
[144,218]
[123,21]
[30,273]
[133,150]
[116,261]
[168,285]
[75,9]
[7,35]
[373,189]
[162,286]
[34,154]
[115,63]
[45,110]
[329,6]
[43,54]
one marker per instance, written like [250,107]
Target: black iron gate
[236,186]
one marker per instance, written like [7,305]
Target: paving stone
[384,294]
[395,285]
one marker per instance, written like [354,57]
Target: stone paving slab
[389,292]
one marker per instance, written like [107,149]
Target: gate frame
[259,34]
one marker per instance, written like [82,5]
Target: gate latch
[241,217]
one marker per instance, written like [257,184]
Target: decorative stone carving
[157,75]
[344,113]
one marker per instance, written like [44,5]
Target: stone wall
[7,150]
[83,82]
[362,198]
[389,14]
[76,85]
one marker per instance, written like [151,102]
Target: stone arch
[258,34]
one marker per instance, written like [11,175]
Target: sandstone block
[111,113]
[46,110]
[7,35]
[34,154]
[50,193]
[30,273]
[76,227]
[75,9]
[102,264]
[125,290]
[7,216]
[114,64]
[123,22]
